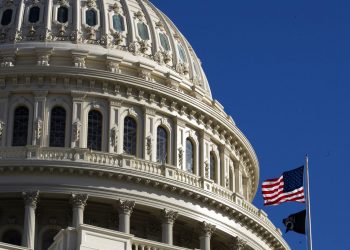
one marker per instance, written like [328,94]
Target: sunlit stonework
[110,138]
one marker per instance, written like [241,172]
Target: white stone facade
[73,74]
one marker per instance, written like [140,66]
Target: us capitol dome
[110,138]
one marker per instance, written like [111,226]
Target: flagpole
[308,206]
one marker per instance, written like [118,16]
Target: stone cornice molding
[31,198]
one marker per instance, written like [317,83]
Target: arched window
[212,168]
[20,127]
[58,127]
[34,14]
[118,23]
[164,41]
[189,156]
[12,237]
[162,145]
[94,141]
[62,14]
[130,136]
[143,31]
[91,17]
[47,238]
[182,53]
[6,17]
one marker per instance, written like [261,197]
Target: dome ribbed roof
[131,32]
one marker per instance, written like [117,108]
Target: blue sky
[282,70]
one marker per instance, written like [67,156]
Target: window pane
[182,53]
[143,31]
[6,17]
[162,142]
[62,14]
[189,156]
[212,166]
[91,17]
[130,136]
[95,130]
[34,14]
[20,127]
[164,41]
[118,23]
[58,127]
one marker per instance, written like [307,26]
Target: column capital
[125,206]
[238,243]
[207,229]
[31,198]
[79,200]
[169,216]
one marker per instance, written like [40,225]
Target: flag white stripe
[272,182]
[286,194]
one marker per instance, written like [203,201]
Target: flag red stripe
[295,196]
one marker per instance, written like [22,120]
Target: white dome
[124,33]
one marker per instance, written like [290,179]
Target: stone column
[30,201]
[79,203]
[206,231]
[168,217]
[125,209]
[238,244]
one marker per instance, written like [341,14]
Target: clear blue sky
[282,70]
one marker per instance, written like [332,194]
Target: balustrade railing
[126,161]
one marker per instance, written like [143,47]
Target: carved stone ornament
[63,2]
[139,15]
[91,32]
[79,61]
[76,130]
[8,61]
[118,37]
[31,198]
[114,138]
[91,3]
[116,8]
[132,112]
[144,46]
[207,229]
[181,156]
[79,199]
[113,67]
[146,75]
[238,244]
[182,68]
[125,206]
[206,168]
[135,48]
[2,127]
[76,36]
[149,144]
[43,60]
[169,216]
[163,57]
[38,130]
[9,2]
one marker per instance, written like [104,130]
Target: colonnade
[125,209]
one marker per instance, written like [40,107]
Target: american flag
[288,187]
